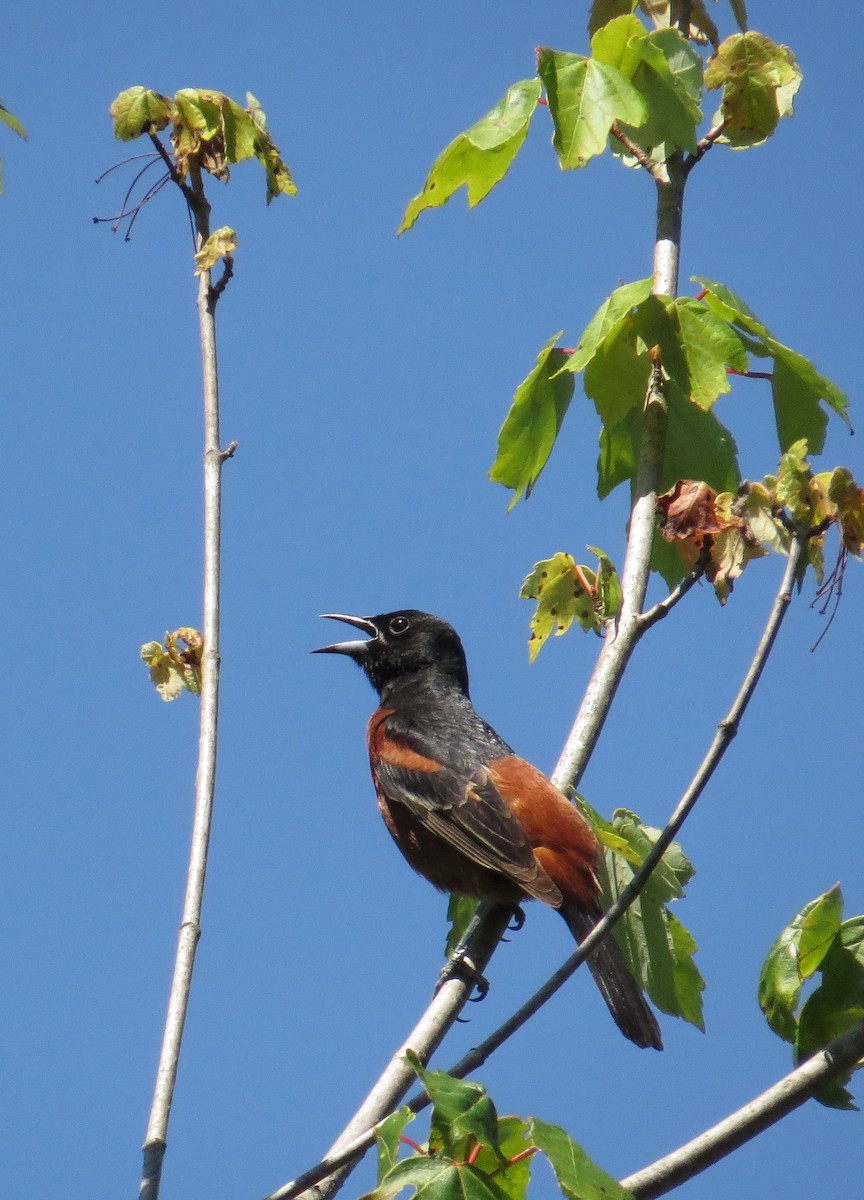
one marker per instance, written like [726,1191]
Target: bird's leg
[459,965]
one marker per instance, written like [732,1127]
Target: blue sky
[365,379]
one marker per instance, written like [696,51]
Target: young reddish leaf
[532,424]
[219,244]
[585,98]
[481,156]
[759,81]
[795,955]
[564,593]
[139,109]
[579,1178]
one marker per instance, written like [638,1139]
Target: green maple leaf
[585,97]
[798,389]
[480,157]
[533,422]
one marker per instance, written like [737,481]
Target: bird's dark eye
[398,626]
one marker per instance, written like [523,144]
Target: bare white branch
[190,925]
[761,1113]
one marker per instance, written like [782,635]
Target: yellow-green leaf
[759,79]
[138,110]
[219,244]
[280,181]
[480,157]
[566,592]
[585,96]
[12,121]
[175,666]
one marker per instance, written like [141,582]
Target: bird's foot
[459,966]
[517,920]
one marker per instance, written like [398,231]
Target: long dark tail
[612,975]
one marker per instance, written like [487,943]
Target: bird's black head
[403,645]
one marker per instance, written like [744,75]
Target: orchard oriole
[465,811]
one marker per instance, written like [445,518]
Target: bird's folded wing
[469,813]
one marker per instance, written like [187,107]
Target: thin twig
[190,927]
[124,162]
[761,1113]
[227,273]
[634,149]
[663,607]
[704,145]
[193,198]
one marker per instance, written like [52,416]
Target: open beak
[357,649]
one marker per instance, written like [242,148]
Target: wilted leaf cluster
[209,132]
[724,532]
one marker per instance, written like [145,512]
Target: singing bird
[465,811]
